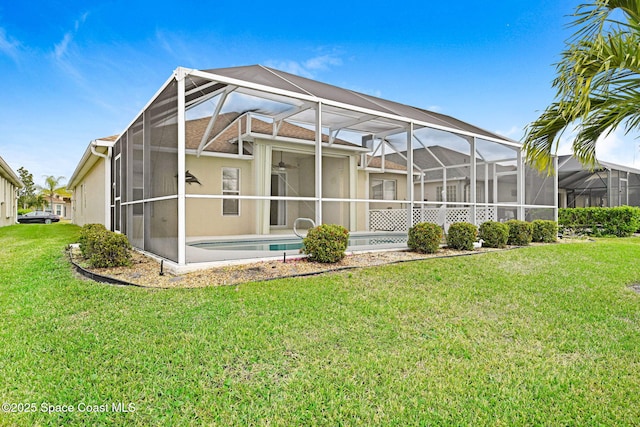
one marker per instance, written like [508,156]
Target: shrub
[88,237]
[520,232]
[494,234]
[111,250]
[104,248]
[425,237]
[23,211]
[621,221]
[326,243]
[544,231]
[462,235]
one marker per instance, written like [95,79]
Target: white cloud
[292,67]
[62,50]
[619,148]
[616,147]
[322,62]
[8,46]
[308,67]
[515,132]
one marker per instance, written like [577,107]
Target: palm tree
[598,83]
[52,186]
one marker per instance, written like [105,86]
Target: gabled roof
[304,87]
[9,174]
[572,174]
[568,163]
[226,131]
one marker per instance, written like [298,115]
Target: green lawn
[546,335]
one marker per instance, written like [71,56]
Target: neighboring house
[608,184]
[257,149]
[9,185]
[61,205]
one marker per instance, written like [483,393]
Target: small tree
[26,194]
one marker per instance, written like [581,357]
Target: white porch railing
[396,219]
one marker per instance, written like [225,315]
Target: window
[230,187]
[451,193]
[383,189]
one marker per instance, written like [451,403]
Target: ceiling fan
[282,166]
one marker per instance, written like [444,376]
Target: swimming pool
[280,244]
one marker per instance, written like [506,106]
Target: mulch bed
[145,271]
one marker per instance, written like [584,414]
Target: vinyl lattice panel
[396,219]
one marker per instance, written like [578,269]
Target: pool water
[293,244]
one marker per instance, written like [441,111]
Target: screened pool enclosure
[252,152]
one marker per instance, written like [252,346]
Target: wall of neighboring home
[8,210]
[88,201]
[205,216]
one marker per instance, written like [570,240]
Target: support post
[182,202]
[555,188]
[318,163]
[520,185]
[472,181]
[410,188]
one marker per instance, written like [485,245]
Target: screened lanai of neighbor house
[223,164]
[607,185]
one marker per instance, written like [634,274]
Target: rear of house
[250,153]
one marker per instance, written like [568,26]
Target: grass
[546,335]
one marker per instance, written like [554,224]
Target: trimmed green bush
[88,237]
[462,235]
[620,221]
[104,248]
[111,250]
[425,237]
[520,232]
[494,234]
[326,243]
[544,231]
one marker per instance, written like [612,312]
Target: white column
[353,192]
[318,218]
[410,188]
[520,185]
[182,205]
[107,189]
[555,188]
[472,181]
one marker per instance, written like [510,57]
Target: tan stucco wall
[401,190]
[8,212]
[88,201]
[335,184]
[204,216]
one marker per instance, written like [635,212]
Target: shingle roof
[226,129]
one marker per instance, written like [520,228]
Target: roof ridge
[273,71]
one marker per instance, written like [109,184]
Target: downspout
[107,181]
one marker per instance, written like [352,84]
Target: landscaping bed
[145,271]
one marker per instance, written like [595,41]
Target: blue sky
[73,71]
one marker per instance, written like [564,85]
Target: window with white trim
[230,187]
[451,193]
[383,189]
